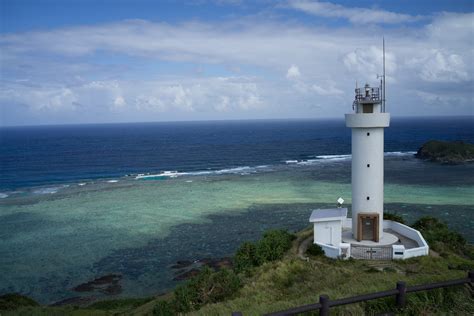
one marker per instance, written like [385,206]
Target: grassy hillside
[272,283]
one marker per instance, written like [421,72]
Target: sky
[106,61]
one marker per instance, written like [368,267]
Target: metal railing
[371,94]
[324,304]
[371,253]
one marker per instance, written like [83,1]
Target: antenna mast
[383,87]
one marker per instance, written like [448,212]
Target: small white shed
[328,225]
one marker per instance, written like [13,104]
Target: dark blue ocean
[41,155]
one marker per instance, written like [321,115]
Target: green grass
[291,282]
[118,304]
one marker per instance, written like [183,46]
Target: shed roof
[324,215]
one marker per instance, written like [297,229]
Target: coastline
[142,244]
[286,276]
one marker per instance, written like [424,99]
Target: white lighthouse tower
[367,122]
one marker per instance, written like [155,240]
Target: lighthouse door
[367,228]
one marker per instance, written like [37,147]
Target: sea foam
[49,190]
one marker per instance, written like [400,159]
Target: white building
[328,225]
[367,232]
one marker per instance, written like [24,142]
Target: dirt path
[303,247]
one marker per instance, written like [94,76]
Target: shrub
[273,245]
[393,217]
[437,234]
[14,301]
[183,298]
[163,308]
[315,250]
[224,284]
[245,257]
[207,287]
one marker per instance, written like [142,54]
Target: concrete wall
[347,223]
[330,251]
[422,250]
[416,252]
[328,232]
[367,120]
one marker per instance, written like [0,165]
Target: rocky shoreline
[185,269]
[110,284]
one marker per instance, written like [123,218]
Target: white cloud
[328,90]
[451,29]
[223,105]
[367,63]
[119,102]
[353,14]
[187,95]
[50,98]
[442,99]
[437,66]
[293,72]
[57,70]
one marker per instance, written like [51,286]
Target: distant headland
[455,152]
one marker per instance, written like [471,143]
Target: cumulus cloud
[353,14]
[329,89]
[61,70]
[368,62]
[119,102]
[293,72]
[47,98]
[438,66]
[153,96]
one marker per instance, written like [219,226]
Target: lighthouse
[368,123]
[366,235]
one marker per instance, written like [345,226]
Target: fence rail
[399,292]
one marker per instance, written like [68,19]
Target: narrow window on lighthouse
[368,134]
[368,198]
[368,165]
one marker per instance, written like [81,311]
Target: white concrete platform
[387,239]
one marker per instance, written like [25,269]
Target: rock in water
[107,284]
[446,152]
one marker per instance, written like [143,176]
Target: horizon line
[232,120]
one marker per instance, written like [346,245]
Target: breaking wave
[245,170]
[49,190]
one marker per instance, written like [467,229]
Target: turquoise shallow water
[51,242]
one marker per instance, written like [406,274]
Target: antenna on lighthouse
[383,87]
[382,77]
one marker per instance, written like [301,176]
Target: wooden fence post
[324,301]
[401,296]
[470,275]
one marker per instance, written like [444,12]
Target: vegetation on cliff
[263,281]
[446,152]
